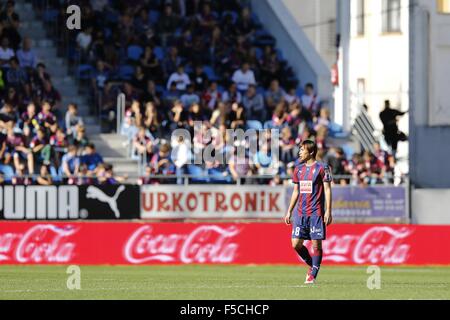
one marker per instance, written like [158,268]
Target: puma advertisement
[67,202]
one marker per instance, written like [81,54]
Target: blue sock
[316,261]
[304,254]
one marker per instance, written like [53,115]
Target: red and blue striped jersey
[310,179]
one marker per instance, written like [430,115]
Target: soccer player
[312,194]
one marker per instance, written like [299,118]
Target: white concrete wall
[315,17]
[430,206]
[381,60]
[439,48]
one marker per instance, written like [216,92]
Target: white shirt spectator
[188,99]
[84,40]
[311,103]
[6,54]
[243,80]
[182,81]
[291,98]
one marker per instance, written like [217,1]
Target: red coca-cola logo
[381,244]
[39,244]
[205,244]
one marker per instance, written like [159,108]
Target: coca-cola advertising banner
[367,202]
[67,202]
[212,201]
[226,243]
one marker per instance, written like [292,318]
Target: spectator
[44,178]
[26,55]
[211,96]
[171,62]
[73,120]
[237,116]
[287,144]
[151,95]
[150,65]
[70,162]
[161,163]
[91,159]
[245,25]
[99,77]
[40,148]
[244,77]
[84,40]
[181,155]
[18,148]
[80,139]
[264,162]
[310,100]
[167,24]
[6,53]
[199,78]
[190,97]
[254,105]
[389,118]
[152,121]
[52,96]
[180,78]
[143,144]
[291,96]
[239,165]
[274,95]
[232,94]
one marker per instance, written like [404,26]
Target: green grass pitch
[222,282]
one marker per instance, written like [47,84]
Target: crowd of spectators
[183,61]
[40,143]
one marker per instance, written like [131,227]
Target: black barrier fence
[67,202]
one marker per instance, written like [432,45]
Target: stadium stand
[177,62]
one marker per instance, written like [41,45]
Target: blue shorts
[309,228]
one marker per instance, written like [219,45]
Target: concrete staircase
[110,146]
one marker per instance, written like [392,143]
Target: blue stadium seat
[125,72]
[50,15]
[233,14]
[210,73]
[84,71]
[153,15]
[348,150]
[134,52]
[254,124]
[159,53]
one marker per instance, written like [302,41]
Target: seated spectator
[180,78]
[239,165]
[44,178]
[16,76]
[52,96]
[178,116]
[59,143]
[9,111]
[5,158]
[199,78]
[280,116]
[151,95]
[167,24]
[244,24]
[212,96]
[20,178]
[232,94]
[220,115]
[26,55]
[323,119]
[151,66]
[244,77]
[143,144]
[40,148]
[161,163]
[79,139]
[237,116]
[29,118]
[171,62]
[274,95]
[270,67]
[205,20]
[70,162]
[99,77]
[46,118]
[91,158]
[254,105]
[18,148]
[190,97]
[291,96]
[6,53]
[264,162]
[152,120]
[140,79]
[84,40]
[310,100]
[73,120]
[196,114]
[287,144]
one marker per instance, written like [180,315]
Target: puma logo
[96,193]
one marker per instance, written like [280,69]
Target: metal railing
[120,111]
